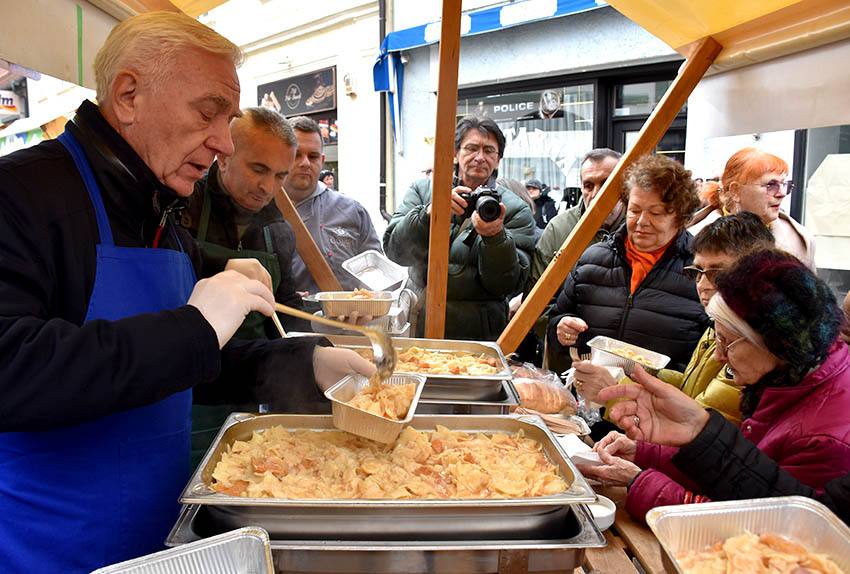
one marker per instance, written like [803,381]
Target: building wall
[282,40]
[594,40]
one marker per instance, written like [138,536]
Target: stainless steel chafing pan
[448,386]
[385,519]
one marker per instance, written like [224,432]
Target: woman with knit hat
[754,180]
[777,330]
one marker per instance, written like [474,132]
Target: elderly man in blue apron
[103,328]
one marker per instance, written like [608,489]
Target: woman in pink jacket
[777,330]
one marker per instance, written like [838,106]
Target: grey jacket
[341,228]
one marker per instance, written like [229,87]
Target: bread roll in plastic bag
[542,390]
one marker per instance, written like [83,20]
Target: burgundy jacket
[805,428]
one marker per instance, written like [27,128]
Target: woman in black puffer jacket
[632,286]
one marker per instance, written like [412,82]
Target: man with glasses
[490,251]
[716,249]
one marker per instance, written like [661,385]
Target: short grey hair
[269,120]
[601,153]
[148,42]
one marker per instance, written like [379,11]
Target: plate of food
[361,302]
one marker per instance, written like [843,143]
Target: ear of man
[122,103]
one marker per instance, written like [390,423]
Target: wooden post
[441,183]
[307,248]
[574,245]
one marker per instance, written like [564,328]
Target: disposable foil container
[336,303]
[366,424]
[243,551]
[375,271]
[602,353]
[801,520]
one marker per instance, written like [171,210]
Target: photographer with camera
[492,236]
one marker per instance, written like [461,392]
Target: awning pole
[653,130]
[441,185]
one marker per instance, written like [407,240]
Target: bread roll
[544,397]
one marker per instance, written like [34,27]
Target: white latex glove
[331,364]
[226,298]
[250,268]
[355,318]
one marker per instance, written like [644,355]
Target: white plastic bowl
[603,511]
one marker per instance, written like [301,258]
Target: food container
[366,424]
[375,271]
[243,551]
[336,303]
[390,519]
[561,551]
[602,353]
[500,404]
[446,385]
[801,520]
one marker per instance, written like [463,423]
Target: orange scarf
[642,261]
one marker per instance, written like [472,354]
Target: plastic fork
[576,356]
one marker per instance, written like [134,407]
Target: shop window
[547,132]
[641,98]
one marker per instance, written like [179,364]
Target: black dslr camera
[484,200]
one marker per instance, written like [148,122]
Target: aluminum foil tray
[500,404]
[243,551]
[802,520]
[560,552]
[376,271]
[366,424]
[601,353]
[340,303]
[387,519]
[448,386]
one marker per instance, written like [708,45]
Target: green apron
[207,419]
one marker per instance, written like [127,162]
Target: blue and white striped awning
[388,71]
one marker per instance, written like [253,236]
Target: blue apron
[76,498]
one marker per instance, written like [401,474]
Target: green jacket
[480,278]
[557,230]
[705,380]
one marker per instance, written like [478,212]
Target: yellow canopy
[749,30]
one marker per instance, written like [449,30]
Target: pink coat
[805,428]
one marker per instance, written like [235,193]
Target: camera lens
[488,208]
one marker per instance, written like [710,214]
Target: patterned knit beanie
[783,301]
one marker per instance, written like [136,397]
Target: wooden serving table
[627,540]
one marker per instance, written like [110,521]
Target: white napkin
[577,450]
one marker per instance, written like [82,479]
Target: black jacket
[728,466]
[58,371]
[222,231]
[544,210]
[663,315]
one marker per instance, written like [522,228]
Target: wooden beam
[574,245]
[441,184]
[314,259]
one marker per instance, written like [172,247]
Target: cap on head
[793,311]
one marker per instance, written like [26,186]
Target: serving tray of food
[468,370]
[787,529]
[293,490]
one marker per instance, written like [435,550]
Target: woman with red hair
[754,180]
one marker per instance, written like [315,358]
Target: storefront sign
[10,106]
[299,95]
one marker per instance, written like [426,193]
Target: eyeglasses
[773,186]
[695,273]
[473,149]
[724,346]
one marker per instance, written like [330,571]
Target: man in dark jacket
[103,328]
[544,206]
[232,213]
[488,260]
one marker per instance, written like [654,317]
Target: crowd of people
[143,253]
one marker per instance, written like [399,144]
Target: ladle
[382,344]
